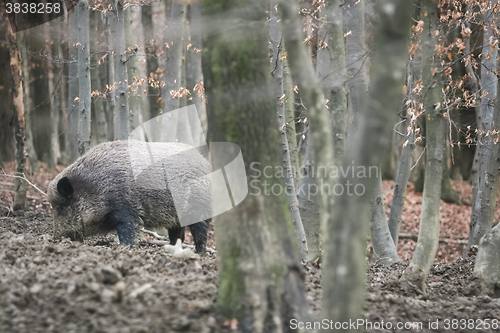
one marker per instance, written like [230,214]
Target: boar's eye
[64,187]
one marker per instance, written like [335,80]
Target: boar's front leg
[126,224]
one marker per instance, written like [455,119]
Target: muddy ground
[100,286]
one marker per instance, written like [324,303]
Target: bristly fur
[99,193]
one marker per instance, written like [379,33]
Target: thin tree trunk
[121,118]
[111,109]
[487,181]
[275,42]
[383,245]
[17,97]
[291,133]
[194,74]
[32,156]
[73,88]
[411,101]
[142,89]
[174,34]
[84,109]
[428,234]
[474,87]
[52,82]
[132,42]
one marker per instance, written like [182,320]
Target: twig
[442,240]
[23,177]
[28,196]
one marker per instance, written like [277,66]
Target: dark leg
[199,231]
[175,233]
[127,225]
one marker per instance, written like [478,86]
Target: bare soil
[100,286]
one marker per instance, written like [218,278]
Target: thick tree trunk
[275,42]
[121,118]
[17,97]
[260,278]
[73,89]
[85,96]
[484,198]
[428,235]
[487,267]
[346,227]
[332,74]
[356,56]
[383,245]
[308,201]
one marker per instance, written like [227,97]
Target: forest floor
[65,286]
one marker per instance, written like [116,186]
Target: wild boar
[127,185]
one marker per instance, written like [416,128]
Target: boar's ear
[64,187]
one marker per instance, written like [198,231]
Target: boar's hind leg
[175,233]
[199,231]
[127,225]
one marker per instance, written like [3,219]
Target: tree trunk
[17,97]
[260,276]
[428,235]
[52,82]
[411,103]
[331,70]
[194,74]
[484,198]
[111,109]
[121,119]
[132,42]
[84,109]
[275,42]
[73,88]
[487,267]
[32,156]
[347,220]
[141,54]
[291,133]
[356,59]
[383,245]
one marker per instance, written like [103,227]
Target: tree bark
[411,102]
[428,234]
[260,276]
[111,109]
[32,156]
[487,266]
[356,55]
[483,206]
[17,97]
[383,245]
[85,96]
[132,42]
[275,42]
[73,88]
[121,118]
[347,220]
[332,74]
